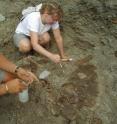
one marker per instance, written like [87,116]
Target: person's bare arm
[10,67]
[6,65]
[59,41]
[38,48]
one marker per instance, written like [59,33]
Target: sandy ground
[83,91]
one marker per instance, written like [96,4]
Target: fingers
[24,83]
[34,76]
[30,77]
[23,86]
[55,58]
[16,85]
[27,76]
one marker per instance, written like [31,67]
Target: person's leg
[44,38]
[24,46]
[5,76]
[22,42]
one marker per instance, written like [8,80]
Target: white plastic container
[23,96]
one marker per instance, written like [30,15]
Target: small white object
[2,18]
[70,59]
[61,65]
[23,96]
[31,9]
[67,59]
[44,74]
[82,75]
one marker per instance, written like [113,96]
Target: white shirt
[33,22]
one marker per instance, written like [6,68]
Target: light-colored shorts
[18,37]
[2,75]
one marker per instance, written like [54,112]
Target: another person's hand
[15,86]
[25,75]
[55,58]
[64,58]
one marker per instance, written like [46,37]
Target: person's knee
[24,47]
[45,38]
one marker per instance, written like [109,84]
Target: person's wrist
[63,56]
[50,56]
[16,69]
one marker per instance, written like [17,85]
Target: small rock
[73,122]
[44,74]
[81,75]
[2,18]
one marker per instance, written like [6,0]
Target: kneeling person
[32,31]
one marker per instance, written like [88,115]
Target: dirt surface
[83,91]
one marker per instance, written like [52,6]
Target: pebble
[44,74]
[81,75]
[2,18]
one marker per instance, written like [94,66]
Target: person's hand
[15,86]
[64,58]
[55,58]
[25,75]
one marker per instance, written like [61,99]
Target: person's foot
[20,55]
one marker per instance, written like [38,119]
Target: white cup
[23,96]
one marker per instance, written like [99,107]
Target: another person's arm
[10,67]
[6,65]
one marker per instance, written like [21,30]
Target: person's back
[29,23]
[33,22]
